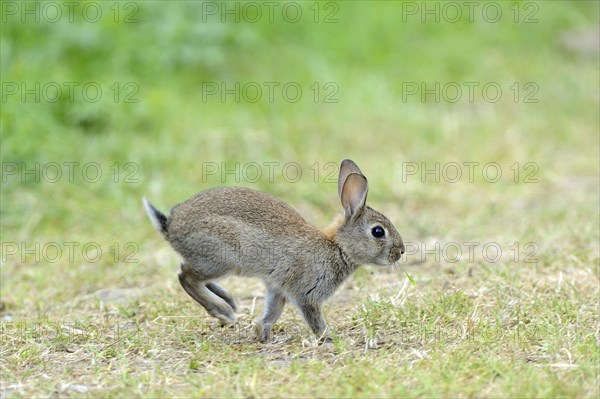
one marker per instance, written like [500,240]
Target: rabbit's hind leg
[195,284]
[220,292]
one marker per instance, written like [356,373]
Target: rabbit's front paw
[262,332]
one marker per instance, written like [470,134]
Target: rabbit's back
[237,227]
[247,205]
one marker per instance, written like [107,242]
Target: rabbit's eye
[378,231]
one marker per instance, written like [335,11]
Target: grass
[117,323]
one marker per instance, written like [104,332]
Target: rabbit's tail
[158,219]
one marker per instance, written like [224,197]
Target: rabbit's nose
[402,249]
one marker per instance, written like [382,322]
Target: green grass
[121,326]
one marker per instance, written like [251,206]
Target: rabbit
[236,230]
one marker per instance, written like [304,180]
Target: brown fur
[330,232]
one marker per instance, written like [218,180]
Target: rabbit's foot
[262,332]
[220,292]
[223,312]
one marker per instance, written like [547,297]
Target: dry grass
[456,330]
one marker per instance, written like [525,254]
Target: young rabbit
[235,230]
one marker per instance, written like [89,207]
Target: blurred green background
[155,125]
[163,57]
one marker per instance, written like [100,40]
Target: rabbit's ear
[354,194]
[346,168]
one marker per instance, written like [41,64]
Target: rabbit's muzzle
[396,252]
